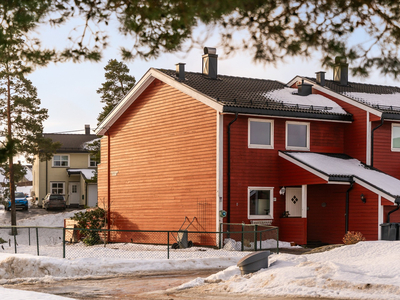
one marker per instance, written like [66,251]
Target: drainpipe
[372,141]
[229,168]
[108,184]
[346,226]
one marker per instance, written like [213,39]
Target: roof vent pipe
[210,62]
[180,71]
[341,71]
[320,76]
[304,89]
[87,129]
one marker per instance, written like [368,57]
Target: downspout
[346,226]
[372,141]
[229,168]
[108,185]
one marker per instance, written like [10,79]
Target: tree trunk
[10,161]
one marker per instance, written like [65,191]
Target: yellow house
[71,172]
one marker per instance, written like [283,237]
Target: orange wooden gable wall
[163,163]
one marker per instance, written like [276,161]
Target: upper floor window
[261,133]
[297,136]
[260,203]
[92,161]
[61,161]
[395,137]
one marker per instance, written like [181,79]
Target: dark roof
[250,95]
[356,87]
[71,143]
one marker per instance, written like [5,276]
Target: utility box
[390,231]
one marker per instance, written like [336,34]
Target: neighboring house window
[261,133]
[395,137]
[260,203]
[297,136]
[60,161]
[92,161]
[57,188]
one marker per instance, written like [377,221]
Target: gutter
[229,169]
[108,184]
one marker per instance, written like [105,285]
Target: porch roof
[86,173]
[336,168]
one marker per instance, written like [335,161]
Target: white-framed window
[61,160]
[57,187]
[395,137]
[261,133]
[260,203]
[297,135]
[92,161]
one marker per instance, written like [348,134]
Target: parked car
[53,201]
[20,201]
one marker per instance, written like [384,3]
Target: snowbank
[367,270]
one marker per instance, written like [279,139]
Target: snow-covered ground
[367,270]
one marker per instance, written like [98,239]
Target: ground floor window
[57,188]
[260,203]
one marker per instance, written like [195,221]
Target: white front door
[74,193]
[294,201]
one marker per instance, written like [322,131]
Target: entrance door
[294,201]
[74,193]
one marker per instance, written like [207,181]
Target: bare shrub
[353,237]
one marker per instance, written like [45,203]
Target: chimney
[304,89]
[87,129]
[180,71]
[341,70]
[320,78]
[210,61]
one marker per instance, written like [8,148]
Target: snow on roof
[331,166]
[87,173]
[28,174]
[290,96]
[376,99]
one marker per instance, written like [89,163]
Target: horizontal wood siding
[163,163]
[394,217]
[264,168]
[355,134]
[384,159]
[327,208]
[293,230]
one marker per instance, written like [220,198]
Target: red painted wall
[355,137]
[384,159]
[264,168]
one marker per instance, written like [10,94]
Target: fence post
[37,240]
[167,244]
[64,241]
[242,237]
[255,237]
[15,240]
[29,235]
[220,235]
[260,240]
[277,240]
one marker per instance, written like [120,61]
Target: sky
[366,270]
[68,90]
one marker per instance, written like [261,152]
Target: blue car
[20,201]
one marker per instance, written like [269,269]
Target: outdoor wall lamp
[363,199]
[282,191]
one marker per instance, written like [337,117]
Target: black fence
[136,244]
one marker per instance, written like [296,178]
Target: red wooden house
[315,157]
